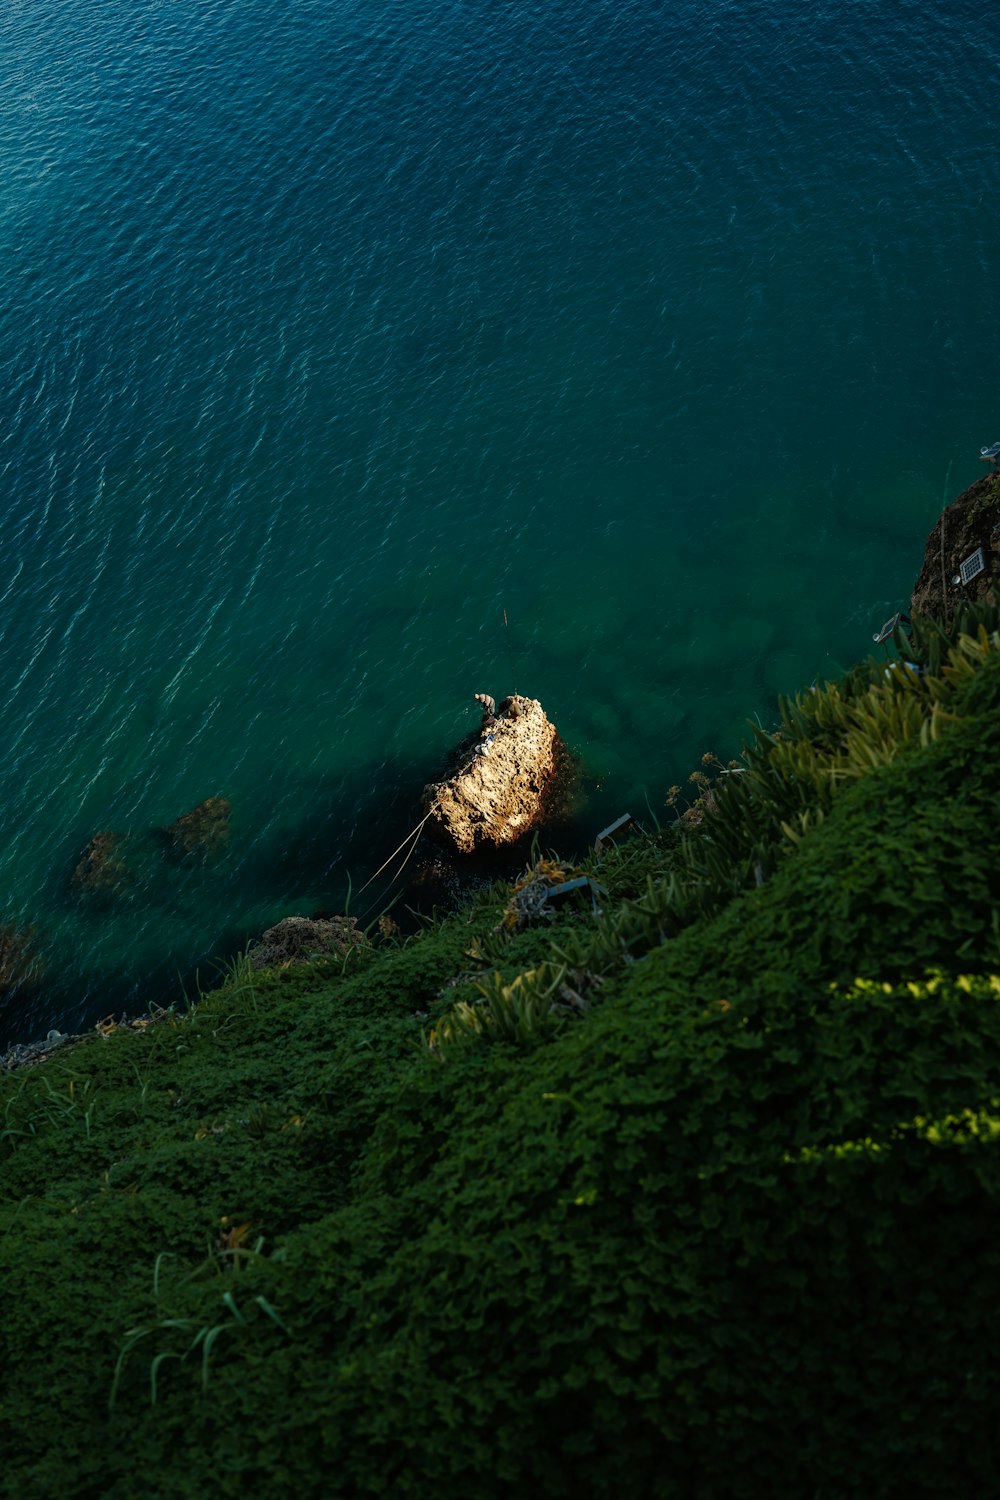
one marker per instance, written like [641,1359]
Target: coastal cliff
[680,1188]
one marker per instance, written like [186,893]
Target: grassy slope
[731,1231]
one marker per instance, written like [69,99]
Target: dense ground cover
[722,1222]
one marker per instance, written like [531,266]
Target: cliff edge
[969,522]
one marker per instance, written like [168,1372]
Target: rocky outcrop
[971,521]
[495,796]
[303,940]
[203,831]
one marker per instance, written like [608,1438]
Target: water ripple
[329,334]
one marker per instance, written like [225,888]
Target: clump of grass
[205,1339]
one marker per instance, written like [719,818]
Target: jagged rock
[301,940]
[496,794]
[203,830]
[102,868]
[969,522]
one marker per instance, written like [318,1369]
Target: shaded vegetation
[696,1196]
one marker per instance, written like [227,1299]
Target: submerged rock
[19,960]
[495,796]
[203,830]
[971,521]
[101,867]
[302,940]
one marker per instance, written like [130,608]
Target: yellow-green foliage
[521,1011]
[724,1230]
[828,738]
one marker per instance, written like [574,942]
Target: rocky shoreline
[499,790]
[496,794]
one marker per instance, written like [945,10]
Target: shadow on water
[349,825]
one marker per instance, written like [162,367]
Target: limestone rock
[301,940]
[495,796]
[971,521]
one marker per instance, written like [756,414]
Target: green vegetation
[693,1197]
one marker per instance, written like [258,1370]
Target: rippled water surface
[332,330]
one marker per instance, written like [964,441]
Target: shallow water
[332,331]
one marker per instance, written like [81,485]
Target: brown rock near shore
[303,940]
[971,521]
[494,798]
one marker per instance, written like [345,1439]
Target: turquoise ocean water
[328,331]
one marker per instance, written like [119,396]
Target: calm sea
[331,330]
